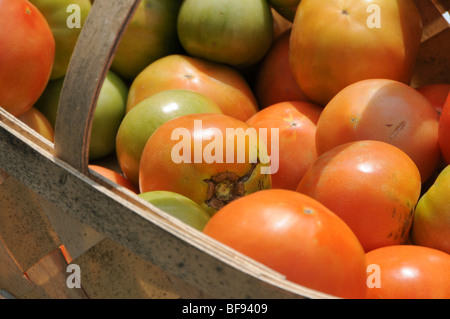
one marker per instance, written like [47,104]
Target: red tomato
[221,83]
[436,94]
[408,272]
[387,111]
[444,130]
[274,80]
[373,186]
[296,236]
[290,142]
[26,56]
[210,158]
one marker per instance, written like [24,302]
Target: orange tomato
[274,81]
[383,110]
[221,83]
[296,236]
[409,272]
[290,141]
[38,122]
[372,185]
[114,176]
[335,43]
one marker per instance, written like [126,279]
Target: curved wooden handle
[87,70]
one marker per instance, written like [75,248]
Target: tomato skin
[140,123]
[436,93]
[295,140]
[56,13]
[114,176]
[169,161]
[151,34]
[27,55]
[410,272]
[444,130]
[178,206]
[431,224]
[232,32]
[373,186]
[383,110]
[222,84]
[38,122]
[342,49]
[275,81]
[296,236]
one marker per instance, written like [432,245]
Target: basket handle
[89,64]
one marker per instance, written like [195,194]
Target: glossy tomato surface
[221,83]
[296,236]
[210,158]
[383,110]
[431,224]
[290,141]
[140,123]
[373,186]
[26,57]
[409,272]
[335,43]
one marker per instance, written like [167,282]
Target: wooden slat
[91,59]
[156,236]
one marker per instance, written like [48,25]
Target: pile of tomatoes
[288,130]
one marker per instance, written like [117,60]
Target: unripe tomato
[210,158]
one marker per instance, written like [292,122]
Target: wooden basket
[57,212]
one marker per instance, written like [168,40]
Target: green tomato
[431,223]
[146,116]
[234,32]
[108,115]
[150,35]
[178,206]
[65,18]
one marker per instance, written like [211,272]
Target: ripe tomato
[209,158]
[140,123]
[26,57]
[431,223]
[274,81]
[335,43]
[387,111]
[290,142]
[220,83]
[233,32]
[114,176]
[178,206]
[409,272]
[296,236]
[373,186]
[436,94]
[444,130]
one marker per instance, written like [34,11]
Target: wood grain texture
[91,59]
